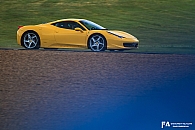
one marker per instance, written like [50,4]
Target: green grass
[162,26]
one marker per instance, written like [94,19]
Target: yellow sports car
[74,33]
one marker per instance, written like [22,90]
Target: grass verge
[165,26]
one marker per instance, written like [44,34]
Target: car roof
[71,19]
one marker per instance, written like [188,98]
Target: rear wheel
[97,43]
[30,40]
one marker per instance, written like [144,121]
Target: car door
[67,36]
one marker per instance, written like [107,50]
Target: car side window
[68,25]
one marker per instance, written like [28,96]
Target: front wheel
[97,43]
[30,40]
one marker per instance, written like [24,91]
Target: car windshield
[91,25]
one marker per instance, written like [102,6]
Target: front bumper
[131,45]
[123,43]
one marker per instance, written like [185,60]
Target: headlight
[115,34]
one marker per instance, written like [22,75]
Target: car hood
[121,33]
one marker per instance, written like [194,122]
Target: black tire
[97,42]
[30,40]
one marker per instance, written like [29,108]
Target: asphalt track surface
[77,90]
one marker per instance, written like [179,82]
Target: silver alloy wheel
[31,40]
[97,43]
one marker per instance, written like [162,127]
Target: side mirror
[78,29]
